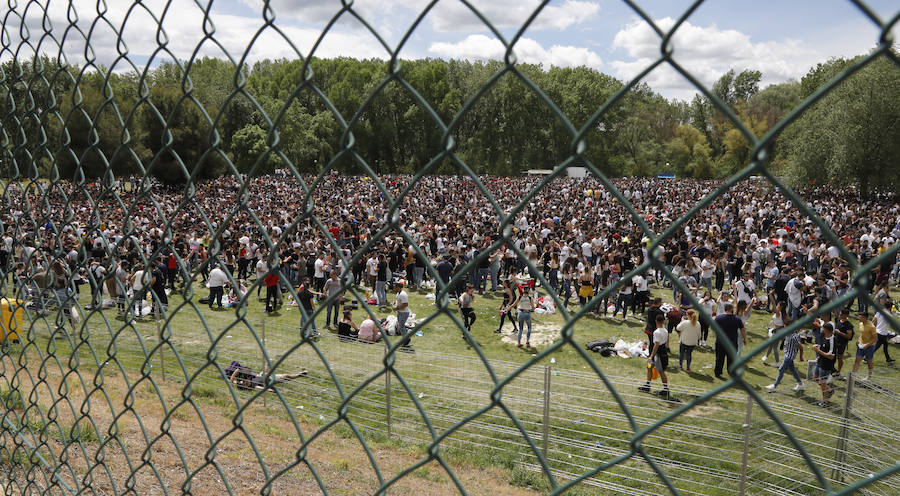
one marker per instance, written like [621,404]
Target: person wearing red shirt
[271,281]
[172,269]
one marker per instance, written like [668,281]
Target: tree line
[208,118]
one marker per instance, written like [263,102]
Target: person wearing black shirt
[843,334]
[358,269]
[381,282]
[158,285]
[732,326]
[484,270]
[288,265]
[652,312]
[444,269]
[305,301]
[825,362]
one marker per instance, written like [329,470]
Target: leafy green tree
[249,145]
[178,136]
[689,153]
[851,133]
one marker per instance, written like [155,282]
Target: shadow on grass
[700,377]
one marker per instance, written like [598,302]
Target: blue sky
[780,38]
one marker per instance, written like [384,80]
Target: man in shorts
[659,357]
[865,346]
[825,362]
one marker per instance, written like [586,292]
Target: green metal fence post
[746,452]
[387,396]
[840,450]
[159,335]
[546,420]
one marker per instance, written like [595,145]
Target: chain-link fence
[100,402]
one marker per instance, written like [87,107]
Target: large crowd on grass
[750,248]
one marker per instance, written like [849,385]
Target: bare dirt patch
[205,448]
[541,335]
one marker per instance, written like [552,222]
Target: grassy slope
[234,341]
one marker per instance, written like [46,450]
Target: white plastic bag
[74,314]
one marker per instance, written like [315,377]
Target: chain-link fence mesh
[105,404]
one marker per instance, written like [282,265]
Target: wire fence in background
[62,430]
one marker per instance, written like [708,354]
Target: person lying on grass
[244,377]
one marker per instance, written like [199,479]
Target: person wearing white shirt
[794,290]
[261,268]
[320,268]
[707,267]
[744,289]
[140,283]
[217,281]
[586,251]
[883,329]
[642,293]
[401,305]
[372,269]
[659,357]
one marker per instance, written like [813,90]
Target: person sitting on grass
[368,332]
[347,330]
[825,363]
[659,357]
[244,378]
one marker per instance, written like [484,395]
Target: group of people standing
[750,248]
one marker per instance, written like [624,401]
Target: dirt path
[336,456]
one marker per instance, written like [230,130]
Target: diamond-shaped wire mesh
[95,402]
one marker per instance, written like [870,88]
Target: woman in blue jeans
[525,305]
[792,348]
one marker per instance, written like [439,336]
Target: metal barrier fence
[62,430]
[574,420]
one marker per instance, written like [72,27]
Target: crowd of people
[751,248]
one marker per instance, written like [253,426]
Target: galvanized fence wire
[41,409]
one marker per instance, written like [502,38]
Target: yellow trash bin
[11,320]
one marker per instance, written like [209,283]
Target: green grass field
[700,450]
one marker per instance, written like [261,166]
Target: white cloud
[707,53]
[481,47]
[184,32]
[319,12]
[446,16]
[455,16]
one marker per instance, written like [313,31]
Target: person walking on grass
[465,306]
[884,334]
[793,347]
[865,346]
[305,297]
[843,334]
[525,305]
[332,288]
[508,297]
[825,363]
[776,324]
[271,281]
[652,312]
[732,328]
[688,338]
[659,358]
